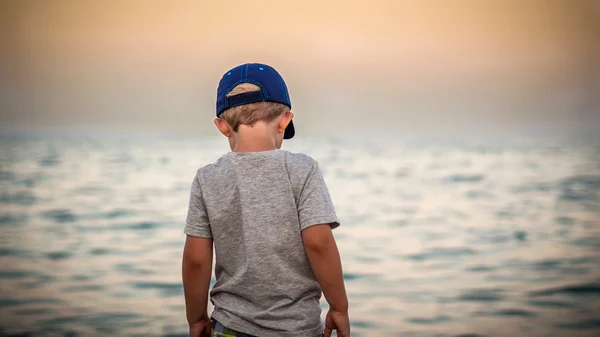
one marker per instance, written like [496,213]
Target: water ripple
[588,324]
[429,320]
[465,178]
[442,253]
[166,289]
[59,215]
[482,295]
[510,312]
[61,255]
[26,198]
[586,289]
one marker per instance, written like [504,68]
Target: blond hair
[248,114]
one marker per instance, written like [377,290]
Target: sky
[392,66]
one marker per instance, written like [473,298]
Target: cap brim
[289,131]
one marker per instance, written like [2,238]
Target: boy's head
[253,98]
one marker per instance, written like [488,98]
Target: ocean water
[440,236]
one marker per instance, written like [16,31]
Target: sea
[454,235]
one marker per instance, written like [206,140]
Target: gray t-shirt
[254,206]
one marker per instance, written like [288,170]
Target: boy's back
[258,204]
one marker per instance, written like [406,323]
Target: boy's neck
[253,143]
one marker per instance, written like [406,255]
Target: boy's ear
[285,120]
[223,126]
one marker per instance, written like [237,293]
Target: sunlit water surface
[495,236]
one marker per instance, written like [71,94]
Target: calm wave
[452,237]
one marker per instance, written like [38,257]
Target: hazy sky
[367,65]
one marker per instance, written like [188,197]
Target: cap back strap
[245,98]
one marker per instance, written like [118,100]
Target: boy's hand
[201,328]
[337,321]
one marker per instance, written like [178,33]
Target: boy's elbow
[318,248]
[193,261]
[318,239]
[197,256]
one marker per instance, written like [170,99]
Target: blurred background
[460,141]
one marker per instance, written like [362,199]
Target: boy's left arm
[196,272]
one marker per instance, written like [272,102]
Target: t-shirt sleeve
[197,223]
[314,205]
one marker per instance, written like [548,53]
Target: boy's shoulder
[299,160]
[294,161]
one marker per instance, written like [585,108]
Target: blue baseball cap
[273,89]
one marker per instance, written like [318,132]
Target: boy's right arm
[325,262]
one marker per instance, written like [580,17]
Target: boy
[270,216]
